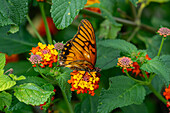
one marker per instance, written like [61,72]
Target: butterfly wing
[80,52]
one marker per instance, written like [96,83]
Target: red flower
[51,25]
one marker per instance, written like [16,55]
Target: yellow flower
[42,46]
[50,46]
[39,53]
[47,57]
[90,2]
[54,52]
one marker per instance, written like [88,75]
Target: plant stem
[49,38]
[146,77]
[67,102]
[133,34]
[139,81]
[157,94]
[120,20]
[35,30]
[41,73]
[160,48]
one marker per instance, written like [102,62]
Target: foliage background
[118,20]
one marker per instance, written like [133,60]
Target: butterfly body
[80,52]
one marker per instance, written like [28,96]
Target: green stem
[133,34]
[35,30]
[157,94]
[49,39]
[120,20]
[160,48]
[139,81]
[146,77]
[67,102]
[41,73]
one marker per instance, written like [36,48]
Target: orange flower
[164,31]
[167,93]
[43,55]
[94,9]
[51,25]
[12,58]
[84,82]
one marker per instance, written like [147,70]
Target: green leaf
[166,60]
[21,68]
[63,12]
[122,92]
[134,2]
[14,77]
[16,43]
[2,60]
[88,105]
[6,82]
[30,93]
[5,99]
[39,82]
[63,84]
[108,30]
[159,1]
[13,29]
[105,58]
[157,66]
[121,45]
[16,104]
[135,108]
[13,11]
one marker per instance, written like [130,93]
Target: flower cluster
[164,31]
[43,55]
[134,67]
[167,95]
[94,9]
[84,81]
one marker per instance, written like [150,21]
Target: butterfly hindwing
[80,52]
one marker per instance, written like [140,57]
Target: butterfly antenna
[109,62]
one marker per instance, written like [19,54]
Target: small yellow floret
[47,57]
[42,46]
[54,52]
[50,46]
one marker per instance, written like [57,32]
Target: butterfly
[80,52]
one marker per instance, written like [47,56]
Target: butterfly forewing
[80,52]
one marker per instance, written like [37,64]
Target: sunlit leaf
[6,82]
[30,93]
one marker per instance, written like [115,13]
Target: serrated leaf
[88,105]
[5,99]
[108,30]
[39,82]
[1,72]
[63,12]
[166,60]
[13,11]
[105,58]
[157,66]
[121,45]
[16,43]
[2,60]
[122,92]
[13,29]
[63,84]
[134,2]
[30,93]
[6,82]
[135,108]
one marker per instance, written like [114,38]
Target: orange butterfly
[80,52]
